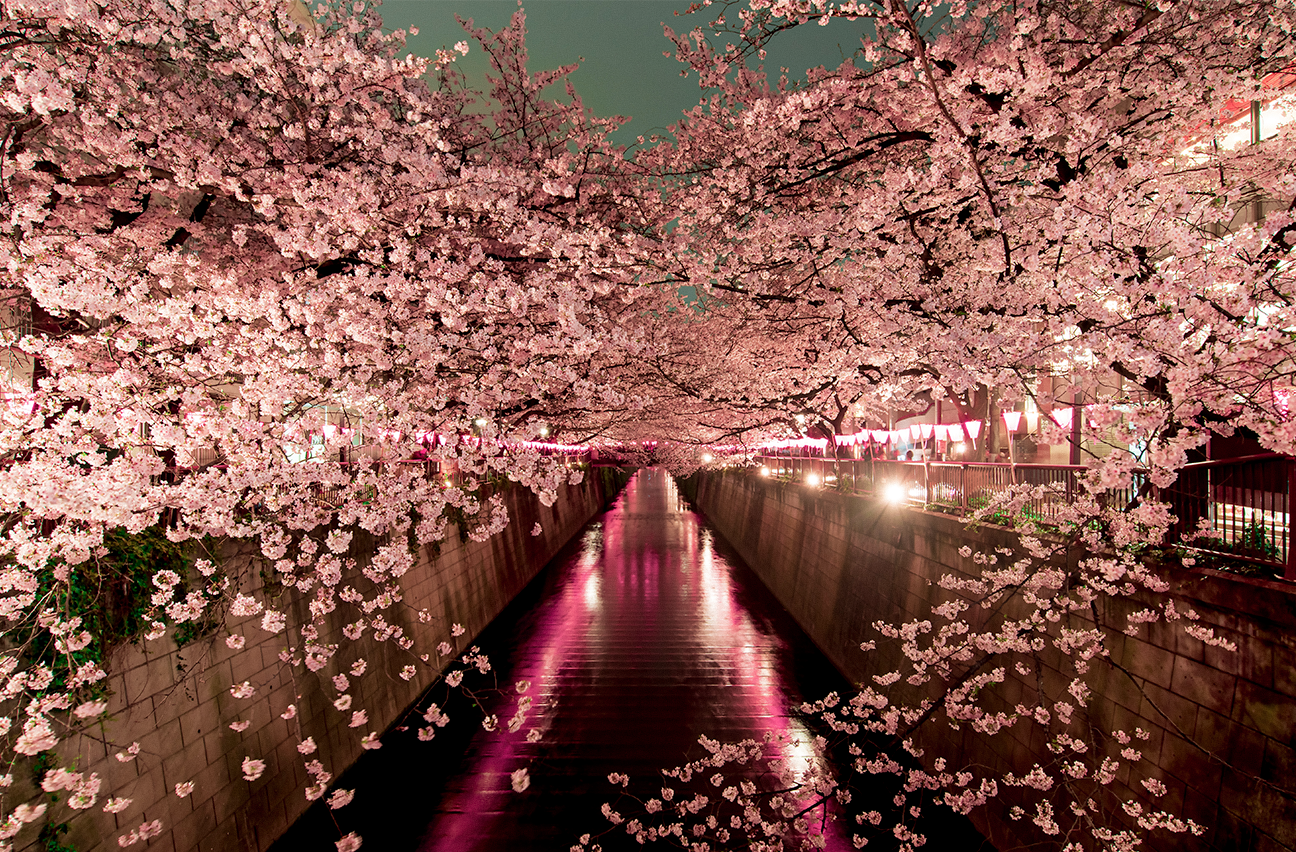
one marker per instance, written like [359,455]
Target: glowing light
[960,447]
[894,492]
[480,421]
[764,471]
[593,591]
[813,480]
[707,458]
[1012,419]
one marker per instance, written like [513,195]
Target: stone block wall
[1222,724]
[176,702]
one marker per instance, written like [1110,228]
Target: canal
[646,633]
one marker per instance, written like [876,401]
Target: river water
[644,634]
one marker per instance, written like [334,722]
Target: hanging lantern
[942,432]
[973,429]
[926,430]
[1062,417]
[914,432]
[1012,419]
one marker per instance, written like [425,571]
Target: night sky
[623,71]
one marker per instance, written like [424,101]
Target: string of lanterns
[968,430]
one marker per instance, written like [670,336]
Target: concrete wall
[176,702]
[1223,725]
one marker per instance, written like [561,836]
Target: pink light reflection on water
[640,644]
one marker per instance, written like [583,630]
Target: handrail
[1233,461]
[1245,501]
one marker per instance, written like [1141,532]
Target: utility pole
[1077,417]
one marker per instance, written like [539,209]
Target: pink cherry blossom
[252,768]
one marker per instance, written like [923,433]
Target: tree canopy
[260,269]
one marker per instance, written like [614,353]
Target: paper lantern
[926,430]
[942,432]
[973,428]
[914,432]
[1062,417]
[1012,419]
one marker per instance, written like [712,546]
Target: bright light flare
[764,471]
[894,492]
[707,458]
[813,480]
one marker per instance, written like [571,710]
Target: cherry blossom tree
[261,280]
[261,283]
[969,204]
[982,197]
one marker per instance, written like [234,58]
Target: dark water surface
[644,633]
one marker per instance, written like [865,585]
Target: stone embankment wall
[1223,725]
[176,702]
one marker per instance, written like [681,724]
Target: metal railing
[1238,509]
[1244,504]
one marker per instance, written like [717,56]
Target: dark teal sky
[621,41]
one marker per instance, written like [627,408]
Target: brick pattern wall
[176,701]
[1223,725]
